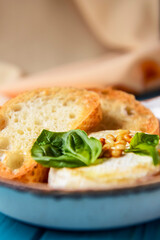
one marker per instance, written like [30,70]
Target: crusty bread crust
[88,100]
[27,174]
[90,115]
[121,110]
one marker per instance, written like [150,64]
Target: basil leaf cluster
[145,144]
[66,149]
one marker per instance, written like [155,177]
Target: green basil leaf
[145,144]
[149,139]
[66,149]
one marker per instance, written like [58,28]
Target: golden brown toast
[24,117]
[121,110]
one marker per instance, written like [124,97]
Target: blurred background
[92,44]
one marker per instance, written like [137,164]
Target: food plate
[81,210]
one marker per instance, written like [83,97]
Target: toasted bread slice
[121,110]
[23,118]
[112,172]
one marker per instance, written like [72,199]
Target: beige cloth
[42,34]
[137,71]
[37,35]
[123,24]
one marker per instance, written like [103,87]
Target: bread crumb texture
[120,110]
[23,118]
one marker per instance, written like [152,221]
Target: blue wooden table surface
[14,230]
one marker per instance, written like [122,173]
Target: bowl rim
[141,185]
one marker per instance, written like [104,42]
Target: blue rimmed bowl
[40,205]
[81,210]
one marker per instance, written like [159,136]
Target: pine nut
[116,153]
[120,147]
[114,146]
[110,136]
[110,141]
[121,142]
[102,140]
[107,154]
[119,138]
[106,146]
[127,137]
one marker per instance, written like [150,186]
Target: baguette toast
[24,117]
[114,171]
[121,110]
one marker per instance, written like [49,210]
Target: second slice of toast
[121,110]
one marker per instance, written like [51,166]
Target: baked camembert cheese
[116,168]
